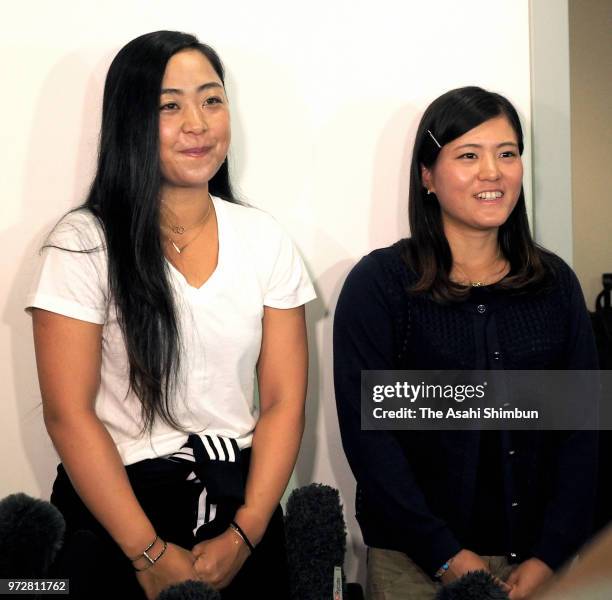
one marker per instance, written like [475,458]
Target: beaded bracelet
[445,567]
[236,528]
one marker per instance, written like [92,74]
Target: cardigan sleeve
[364,340]
[568,517]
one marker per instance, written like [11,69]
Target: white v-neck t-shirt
[220,324]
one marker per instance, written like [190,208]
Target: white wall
[326,97]
[550,113]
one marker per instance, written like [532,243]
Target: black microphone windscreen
[476,585]
[316,540]
[31,533]
[189,590]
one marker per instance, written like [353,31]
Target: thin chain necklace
[485,281]
[180,230]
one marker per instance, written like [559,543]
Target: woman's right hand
[174,566]
[464,562]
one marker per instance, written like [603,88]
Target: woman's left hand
[219,559]
[527,578]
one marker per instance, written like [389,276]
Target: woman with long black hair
[158,305]
[468,290]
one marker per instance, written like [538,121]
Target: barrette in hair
[434,139]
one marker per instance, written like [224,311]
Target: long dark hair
[125,198]
[427,251]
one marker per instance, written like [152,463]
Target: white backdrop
[325,98]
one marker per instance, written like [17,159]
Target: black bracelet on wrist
[243,535]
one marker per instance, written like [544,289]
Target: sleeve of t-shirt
[70,278]
[288,282]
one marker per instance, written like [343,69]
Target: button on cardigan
[417,490]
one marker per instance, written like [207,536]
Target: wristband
[235,527]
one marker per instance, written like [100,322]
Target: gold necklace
[181,229]
[482,282]
[176,228]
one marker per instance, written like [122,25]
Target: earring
[428,191]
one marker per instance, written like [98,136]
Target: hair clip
[434,139]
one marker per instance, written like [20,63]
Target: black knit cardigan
[416,489]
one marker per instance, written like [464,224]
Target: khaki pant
[393,576]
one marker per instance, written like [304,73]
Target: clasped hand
[214,562]
[217,561]
[174,566]
[527,578]
[521,583]
[465,562]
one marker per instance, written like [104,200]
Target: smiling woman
[194,125]
[468,290]
[156,304]
[477,177]
[194,137]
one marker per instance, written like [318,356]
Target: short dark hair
[427,251]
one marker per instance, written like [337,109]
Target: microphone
[475,585]
[316,542]
[31,533]
[189,590]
